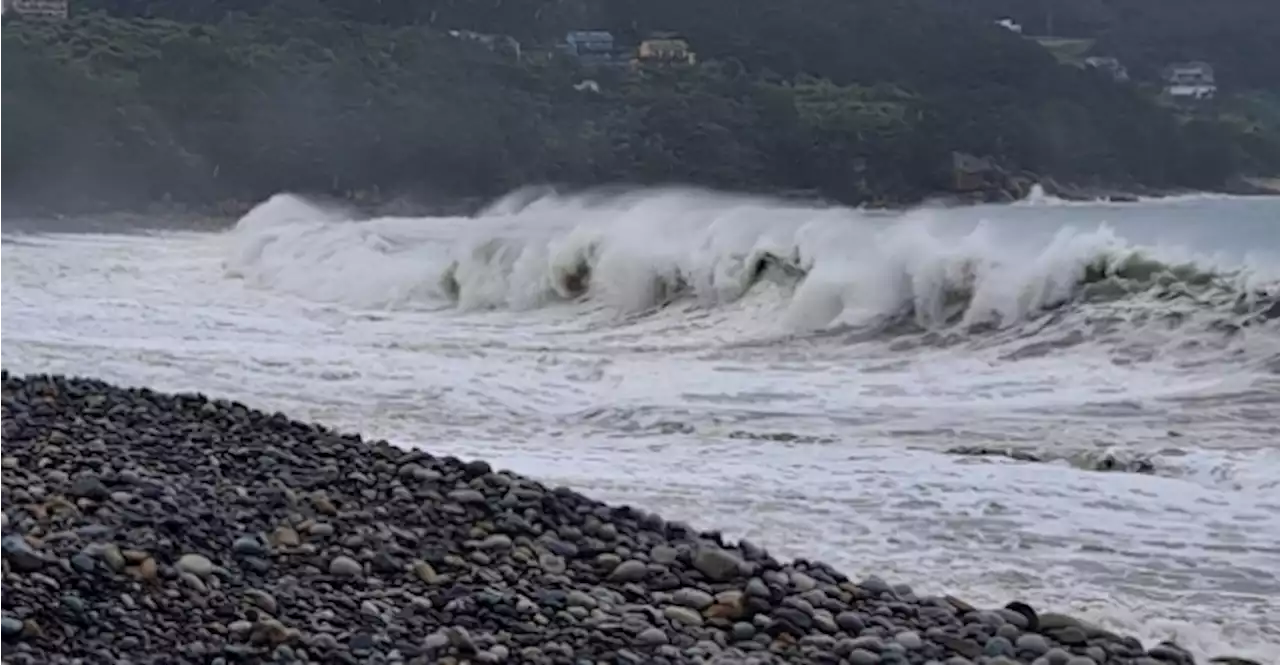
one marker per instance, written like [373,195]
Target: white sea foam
[808,402]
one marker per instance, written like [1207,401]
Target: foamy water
[794,375]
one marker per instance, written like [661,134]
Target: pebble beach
[142,527]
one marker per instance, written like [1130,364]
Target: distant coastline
[209,112]
[363,205]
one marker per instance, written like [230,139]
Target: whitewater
[1072,404]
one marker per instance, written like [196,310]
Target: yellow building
[52,9]
[666,50]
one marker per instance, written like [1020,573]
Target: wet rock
[1033,644]
[717,564]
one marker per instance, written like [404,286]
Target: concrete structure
[1190,81]
[48,9]
[666,49]
[591,47]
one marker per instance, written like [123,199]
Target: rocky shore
[141,527]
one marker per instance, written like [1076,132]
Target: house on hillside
[1190,81]
[1010,25]
[665,49]
[47,9]
[591,47]
[1111,66]
[495,43]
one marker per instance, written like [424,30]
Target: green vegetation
[1238,37]
[1065,49]
[201,102]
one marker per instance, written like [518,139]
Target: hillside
[1239,37]
[201,102]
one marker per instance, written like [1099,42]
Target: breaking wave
[834,268]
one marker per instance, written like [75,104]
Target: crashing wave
[835,269]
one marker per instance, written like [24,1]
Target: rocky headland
[141,527]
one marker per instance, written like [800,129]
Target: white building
[51,9]
[1190,81]
[1010,25]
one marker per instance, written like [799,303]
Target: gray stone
[194,581]
[664,554]
[802,582]
[629,571]
[436,641]
[262,600]
[742,631]
[1009,632]
[652,637]
[987,617]
[1070,636]
[1016,618]
[682,615]
[1081,660]
[467,496]
[850,622]
[89,487]
[21,556]
[826,623]
[876,585]
[1033,644]
[497,541]
[84,562]
[863,657]
[1057,656]
[868,642]
[196,564]
[910,640]
[552,563]
[11,627]
[998,646]
[690,597]
[249,546]
[717,564]
[578,598]
[113,557]
[345,566]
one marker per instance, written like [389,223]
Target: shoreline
[249,536]
[467,206]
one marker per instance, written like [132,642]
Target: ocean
[1076,405]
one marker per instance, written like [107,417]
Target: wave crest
[637,253]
